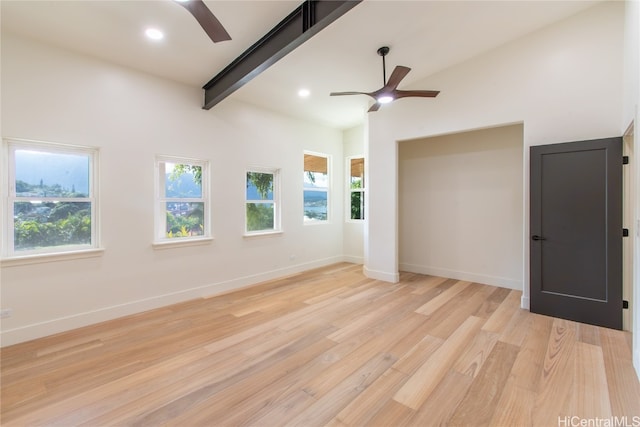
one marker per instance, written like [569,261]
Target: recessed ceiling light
[303,93]
[154,34]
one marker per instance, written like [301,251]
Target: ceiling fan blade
[398,74]
[349,93]
[374,107]
[419,93]
[206,19]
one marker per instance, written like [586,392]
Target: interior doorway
[460,205]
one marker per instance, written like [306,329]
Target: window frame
[160,239]
[328,188]
[277,206]
[9,253]
[350,190]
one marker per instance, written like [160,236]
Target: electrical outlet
[5,312]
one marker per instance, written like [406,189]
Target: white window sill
[263,233]
[51,257]
[179,243]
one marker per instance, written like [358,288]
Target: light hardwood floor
[327,347]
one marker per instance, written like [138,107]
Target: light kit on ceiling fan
[389,91]
[154,34]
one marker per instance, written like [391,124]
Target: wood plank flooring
[327,347]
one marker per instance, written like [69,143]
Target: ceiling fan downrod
[383,52]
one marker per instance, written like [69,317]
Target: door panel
[576,231]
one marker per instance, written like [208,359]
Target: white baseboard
[524,302]
[353,259]
[502,282]
[381,275]
[246,281]
[62,324]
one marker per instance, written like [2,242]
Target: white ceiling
[427,36]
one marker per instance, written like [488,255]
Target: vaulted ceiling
[427,36]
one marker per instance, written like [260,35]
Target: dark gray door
[576,231]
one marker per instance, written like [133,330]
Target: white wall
[460,206]
[563,83]
[54,95]
[353,240]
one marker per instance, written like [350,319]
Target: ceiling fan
[206,19]
[389,91]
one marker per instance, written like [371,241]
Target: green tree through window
[182,205]
[260,201]
[52,198]
[356,187]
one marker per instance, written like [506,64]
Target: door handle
[536,237]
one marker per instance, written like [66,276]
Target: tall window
[52,198]
[316,188]
[262,211]
[182,203]
[356,188]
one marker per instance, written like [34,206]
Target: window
[356,188]
[182,204]
[316,188]
[52,198]
[262,212]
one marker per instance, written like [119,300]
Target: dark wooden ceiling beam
[301,24]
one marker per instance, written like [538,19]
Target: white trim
[180,242]
[263,233]
[503,282]
[51,257]
[66,323]
[353,259]
[381,275]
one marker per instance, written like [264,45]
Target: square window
[52,198]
